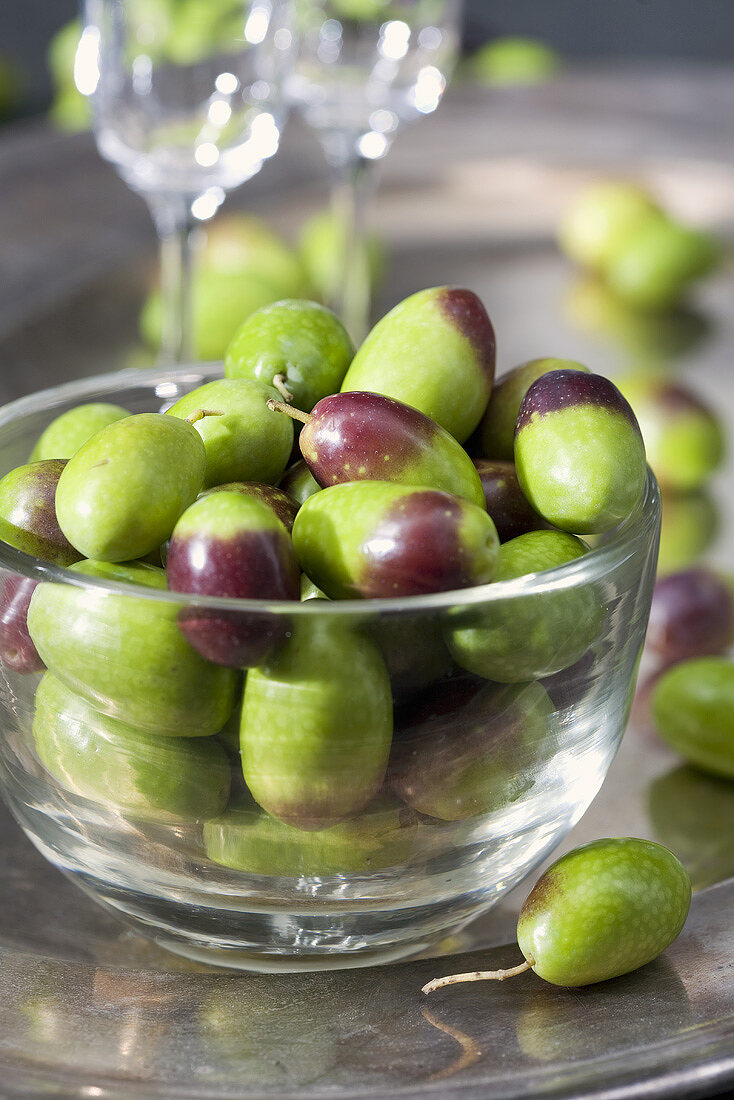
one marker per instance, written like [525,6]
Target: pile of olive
[142,707]
[644,255]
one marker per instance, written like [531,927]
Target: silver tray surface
[91,1009]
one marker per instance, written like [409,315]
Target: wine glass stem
[352,190]
[174,225]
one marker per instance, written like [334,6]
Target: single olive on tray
[693,708]
[598,912]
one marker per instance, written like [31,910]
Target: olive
[693,708]
[598,912]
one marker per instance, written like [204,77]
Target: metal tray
[90,1009]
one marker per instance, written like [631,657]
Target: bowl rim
[618,546]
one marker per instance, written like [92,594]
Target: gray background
[695,29]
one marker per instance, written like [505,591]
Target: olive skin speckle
[603,910]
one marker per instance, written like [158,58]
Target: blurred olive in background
[693,814]
[689,528]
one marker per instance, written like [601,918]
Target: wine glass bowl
[362,70]
[185,124]
[357,80]
[185,113]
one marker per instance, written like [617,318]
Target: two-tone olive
[579,452]
[434,351]
[357,436]
[374,538]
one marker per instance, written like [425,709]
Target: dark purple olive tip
[467,313]
[566,389]
[416,548]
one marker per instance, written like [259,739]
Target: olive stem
[279,383]
[199,414]
[295,414]
[479,976]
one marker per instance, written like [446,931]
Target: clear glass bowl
[103,765]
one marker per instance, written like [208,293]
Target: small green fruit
[598,912]
[579,453]
[434,351]
[244,440]
[130,771]
[120,495]
[602,216]
[693,708]
[527,637]
[125,654]
[500,420]
[69,431]
[315,738]
[300,344]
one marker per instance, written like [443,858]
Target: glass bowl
[402,795]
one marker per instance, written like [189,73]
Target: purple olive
[17,651]
[505,502]
[232,545]
[28,512]
[692,615]
[357,436]
[471,747]
[279,502]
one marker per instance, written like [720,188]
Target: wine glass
[187,105]
[362,69]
